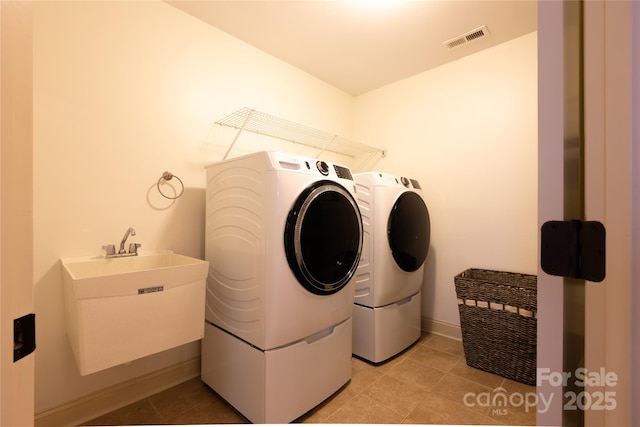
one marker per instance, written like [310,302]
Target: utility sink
[95,277]
[121,309]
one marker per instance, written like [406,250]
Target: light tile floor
[426,384]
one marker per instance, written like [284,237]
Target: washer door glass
[409,231]
[323,237]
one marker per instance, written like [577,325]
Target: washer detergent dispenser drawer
[122,309]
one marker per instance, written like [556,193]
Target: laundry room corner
[467,131]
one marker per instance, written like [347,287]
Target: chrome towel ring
[168,176]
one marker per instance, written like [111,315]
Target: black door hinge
[574,249]
[24,336]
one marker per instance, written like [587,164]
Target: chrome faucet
[124,239]
[133,247]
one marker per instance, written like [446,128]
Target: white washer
[397,231]
[283,241]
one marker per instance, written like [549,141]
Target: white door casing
[16,217]
[612,197]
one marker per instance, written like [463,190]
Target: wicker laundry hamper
[498,318]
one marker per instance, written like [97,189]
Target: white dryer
[283,240]
[397,231]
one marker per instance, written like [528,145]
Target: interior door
[561,197]
[16,219]
[588,169]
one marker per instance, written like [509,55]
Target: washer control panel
[343,172]
[323,167]
[311,166]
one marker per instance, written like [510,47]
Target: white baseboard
[437,327]
[117,396]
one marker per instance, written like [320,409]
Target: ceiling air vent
[467,37]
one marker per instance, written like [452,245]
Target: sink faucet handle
[110,249]
[133,247]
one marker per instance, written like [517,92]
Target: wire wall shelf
[257,122]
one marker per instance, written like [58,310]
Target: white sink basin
[95,277]
[121,309]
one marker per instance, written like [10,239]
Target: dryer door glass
[323,237]
[409,231]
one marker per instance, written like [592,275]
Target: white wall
[468,132]
[122,92]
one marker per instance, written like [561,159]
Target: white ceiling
[361,45]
